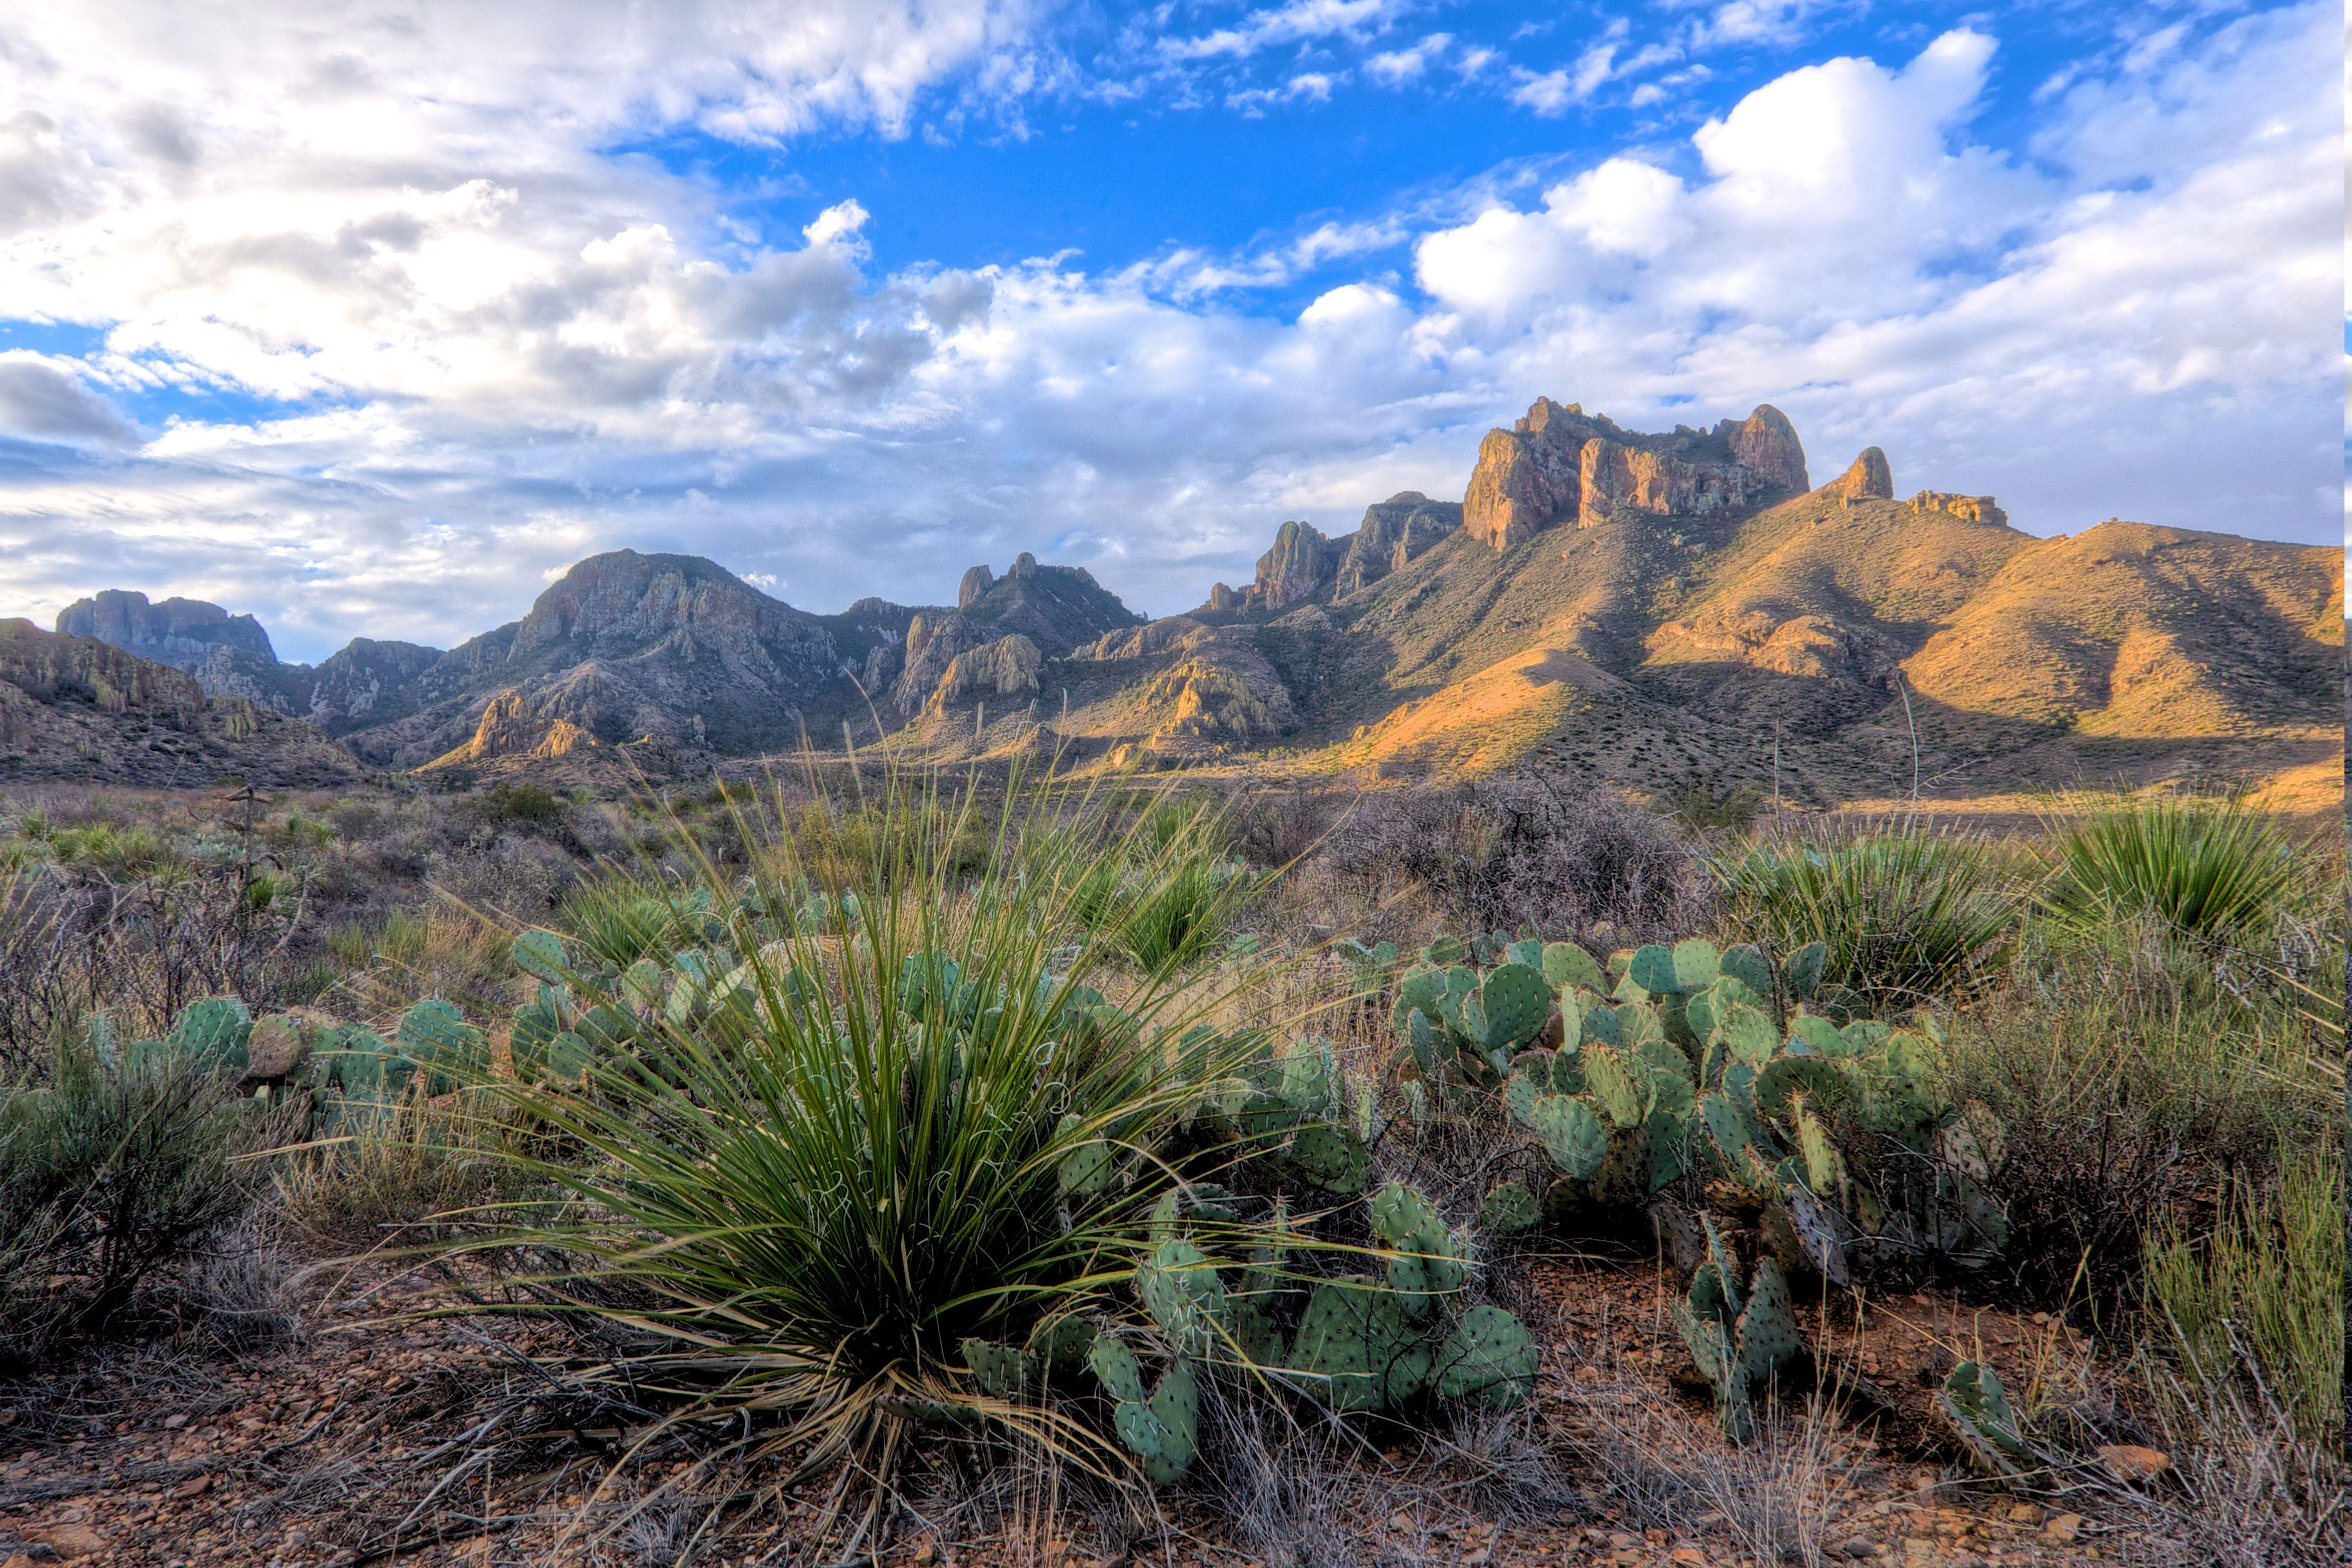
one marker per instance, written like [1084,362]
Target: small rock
[2024,1513]
[925,1553]
[173,1423]
[1624,1542]
[195,1486]
[1690,1554]
[72,1540]
[1857,1549]
[2131,1462]
[1918,1549]
[2064,1527]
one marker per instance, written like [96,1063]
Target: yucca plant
[1164,894]
[2217,871]
[797,1197]
[1906,914]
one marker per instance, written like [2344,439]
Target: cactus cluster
[1742,1337]
[1974,1408]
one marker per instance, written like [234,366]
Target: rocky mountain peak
[182,633]
[1559,463]
[1869,478]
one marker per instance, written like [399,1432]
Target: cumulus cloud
[464,342]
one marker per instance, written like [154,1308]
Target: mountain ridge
[1662,610]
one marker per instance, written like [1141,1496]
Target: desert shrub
[1907,915]
[2130,1085]
[1703,808]
[387,1179]
[113,1174]
[525,804]
[1521,851]
[1281,827]
[2214,870]
[2262,1295]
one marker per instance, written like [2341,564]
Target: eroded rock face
[1055,609]
[1561,464]
[75,707]
[1004,669]
[1869,478]
[1393,532]
[177,632]
[977,581]
[1300,562]
[1976,508]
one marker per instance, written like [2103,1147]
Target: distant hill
[1660,610]
[74,708]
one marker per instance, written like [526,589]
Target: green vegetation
[2215,871]
[840,1129]
[1907,915]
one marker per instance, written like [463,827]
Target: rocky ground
[372,1433]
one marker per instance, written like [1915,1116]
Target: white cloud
[519,350]
[1398,67]
[1298,21]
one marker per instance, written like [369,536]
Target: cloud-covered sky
[371,316]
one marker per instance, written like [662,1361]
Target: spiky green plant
[823,1153]
[2213,870]
[1905,915]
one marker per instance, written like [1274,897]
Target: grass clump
[2262,1296]
[2212,870]
[1907,915]
[803,1201]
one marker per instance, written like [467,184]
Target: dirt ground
[375,1435]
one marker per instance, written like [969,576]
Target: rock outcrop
[75,707]
[1003,670]
[1868,478]
[1559,463]
[1393,532]
[1056,609]
[1975,509]
[1300,562]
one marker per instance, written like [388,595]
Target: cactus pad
[1975,1408]
[1162,1434]
[1746,963]
[540,955]
[1488,1361]
[1358,1335]
[1517,1003]
[1002,1371]
[214,1031]
[1573,1134]
[1800,972]
[1697,963]
[1331,1157]
[1567,966]
[1509,1209]
[1652,969]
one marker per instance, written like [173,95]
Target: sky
[370,317]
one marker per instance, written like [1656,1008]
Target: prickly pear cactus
[1740,1339]
[1359,1341]
[213,1031]
[437,1037]
[1428,1263]
[1161,1430]
[1974,1408]
[1488,1361]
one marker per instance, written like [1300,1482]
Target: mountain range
[1667,611]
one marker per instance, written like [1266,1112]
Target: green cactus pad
[1114,1365]
[1817,1035]
[1527,949]
[1652,968]
[1601,1024]
[1331,1157]
[1667,1156]
[1163,1433]
[1527,1083]
[1488,1361]
[1637,1022]
[1002,1371]
[1746,963]
[1517,1003]
[1509,1209]
[1975,1406]
[1182,1290]
[436,1035]
[1800,972]
[1816,1078]
[1567,966]
[1697,963]
[1087,1170]
[1573,1134]
[1445,953]
[1614,1089]
[1357,1335]
[540,955]
[1767,1335]
[214,1031]
[1745,1032]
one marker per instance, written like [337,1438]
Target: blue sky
[850,296]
